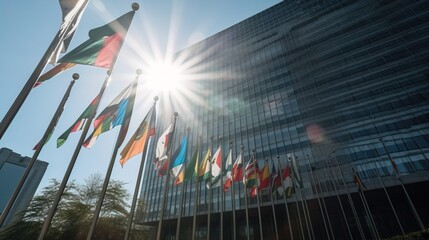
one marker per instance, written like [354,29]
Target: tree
[75,212]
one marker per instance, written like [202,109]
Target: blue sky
[159,29]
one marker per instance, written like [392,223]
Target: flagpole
[246,204]
[210,193]
[221,190]
[197,190]
[296,202]
[304,205]
[272,203]
[138,181]
[233,197]
[167,181]
[349,197]
[261,235]
[318,198]
[284,198]
[106,179]
[67,174]
[19,101]
[182,193]
[410,203]
[39,148]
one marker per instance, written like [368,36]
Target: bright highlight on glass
[163,76]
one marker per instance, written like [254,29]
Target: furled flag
[358,181]
[251,175]
[118,112]
[71,13]
[204,172]
[100,50]
[264,177]
[191,168]
[80,122]
[295,169]
[276,183]
[216,171]
[163,146]
[179,159]
[287,181]
[227,179]
[139,140]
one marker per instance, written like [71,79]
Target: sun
[163,76]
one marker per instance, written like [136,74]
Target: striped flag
[204,172]
[216,171]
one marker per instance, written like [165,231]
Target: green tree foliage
[75,212]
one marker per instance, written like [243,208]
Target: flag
[250,176]
[358,181]
[100,50]
[191,169]
[80,122]
[71,14]
[394,166]
[276,183]
[47,140]
[295,170]
[118,112]
[163,146]
[237,168]
[264,177]
[287,181]
[216,171]
[227,179]
[204,172]
[138,141]
[179,159]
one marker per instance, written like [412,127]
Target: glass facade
[333,83]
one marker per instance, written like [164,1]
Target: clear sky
[159,29]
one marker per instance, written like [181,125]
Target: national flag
[191,168]
[264,177]
[357,180]
[47,140]
[216,171]
[204,172]
[179,159]
[276,183]
[100,50]
[287,180]
[237,168]
[53,72]
[251,176]
[227,179]
[295,170]
[80,122]
[138,141]
[118,112]
[163,146]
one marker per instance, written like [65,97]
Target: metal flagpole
[284,198]
[297,204]
[410,203]
[339,201]
[261,234]
[390,201]
[272,204]
[39,148]
[72,162]
[182,193]
[349,198]
[245,202]
[234,232]
[138,181]
[318,198]
[106,180]
[305,206]
[221,191]
[197,190]
[210,193]
[167,181]
[56,42]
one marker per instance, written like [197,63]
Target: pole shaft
[285,200]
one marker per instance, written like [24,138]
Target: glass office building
[338,85]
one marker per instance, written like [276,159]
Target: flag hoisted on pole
[284,197]
[163,147]
[45,136]
[68,26]
[118,112]
[139,143]
[194,173]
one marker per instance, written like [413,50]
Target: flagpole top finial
[155,98]
[254,150]
[230,143]
[75,76]
[135,6]
[109,72]
[277,156]
[189,129]
[176,114]
[139,71]
[220,138]
[241,147]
